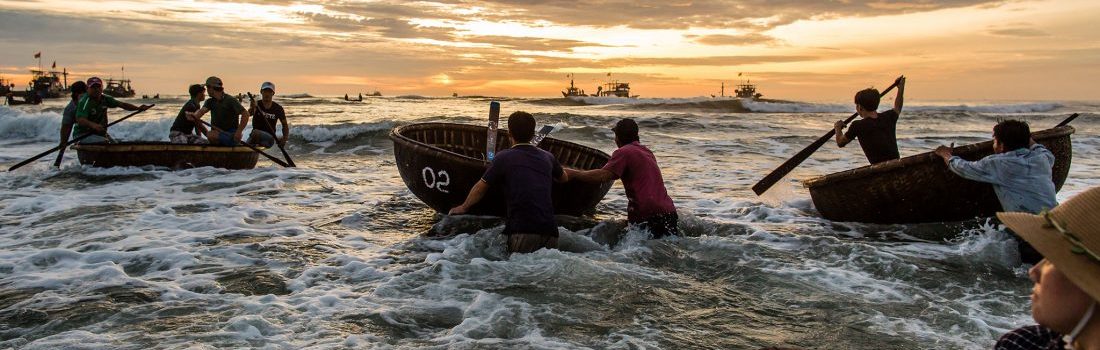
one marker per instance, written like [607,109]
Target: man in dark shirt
[185,129]
[226,115]
[876,131]
[527,175]
[264,116]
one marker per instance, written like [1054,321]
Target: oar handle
[75,140]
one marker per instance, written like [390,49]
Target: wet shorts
[261,138]
[661,225]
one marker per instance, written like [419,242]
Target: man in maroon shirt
[648,203]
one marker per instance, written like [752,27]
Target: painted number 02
[436,180]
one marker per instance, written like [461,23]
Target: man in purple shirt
[527,174]
[649,205]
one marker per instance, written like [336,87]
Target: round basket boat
[164,154]
[920,188]
[441,162]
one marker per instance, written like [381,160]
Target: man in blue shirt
[527,174]
[1020,171]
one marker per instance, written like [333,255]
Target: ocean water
[337,253]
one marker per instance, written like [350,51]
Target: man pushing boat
[91,112]
[876,131]
[527,174]
[1020,170]
[227,116]
[649,205]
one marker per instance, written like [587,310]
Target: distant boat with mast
[118,88]
[49,84]
[613,88]
[744,90]
[573,91]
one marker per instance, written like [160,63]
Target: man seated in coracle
[186,129]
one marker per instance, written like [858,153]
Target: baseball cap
[267,85]
[214,82]
[93,81]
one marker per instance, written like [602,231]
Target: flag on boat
[54,64]
[38,54]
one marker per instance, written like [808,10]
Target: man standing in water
[227,116]
[1020,170]
[527,175]
[91,112]
[264,116]
[649,205]
[876,131]
[186,129]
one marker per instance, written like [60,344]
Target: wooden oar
[273,159]
[1066,122]
[768,181]
[81,137]
[268,122]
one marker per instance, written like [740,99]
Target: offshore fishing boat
[573,91]
[441,162]
[747,90]
[920,188]
[48,84]
[118,88]
[164,154]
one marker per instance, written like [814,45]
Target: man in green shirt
[91,112]
[226,115]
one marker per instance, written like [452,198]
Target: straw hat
[1068,236]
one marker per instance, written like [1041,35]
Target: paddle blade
[768,181]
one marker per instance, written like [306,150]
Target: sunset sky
[793,49]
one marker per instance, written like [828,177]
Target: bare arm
[841,140]
[594,175]
[475,196]
[901,95]
[129,106]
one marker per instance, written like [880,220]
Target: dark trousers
[661,225]
[1028,254]
[529,243]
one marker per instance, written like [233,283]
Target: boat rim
[892,165]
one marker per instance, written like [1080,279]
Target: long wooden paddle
[1066,122]
[768,181]
[268,122]
[81,137]
[246,144]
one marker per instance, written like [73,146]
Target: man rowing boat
[876,131]
[227,116]
[264,116]
[186,129]
[91,112]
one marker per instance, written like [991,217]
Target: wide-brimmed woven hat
[1068,236]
